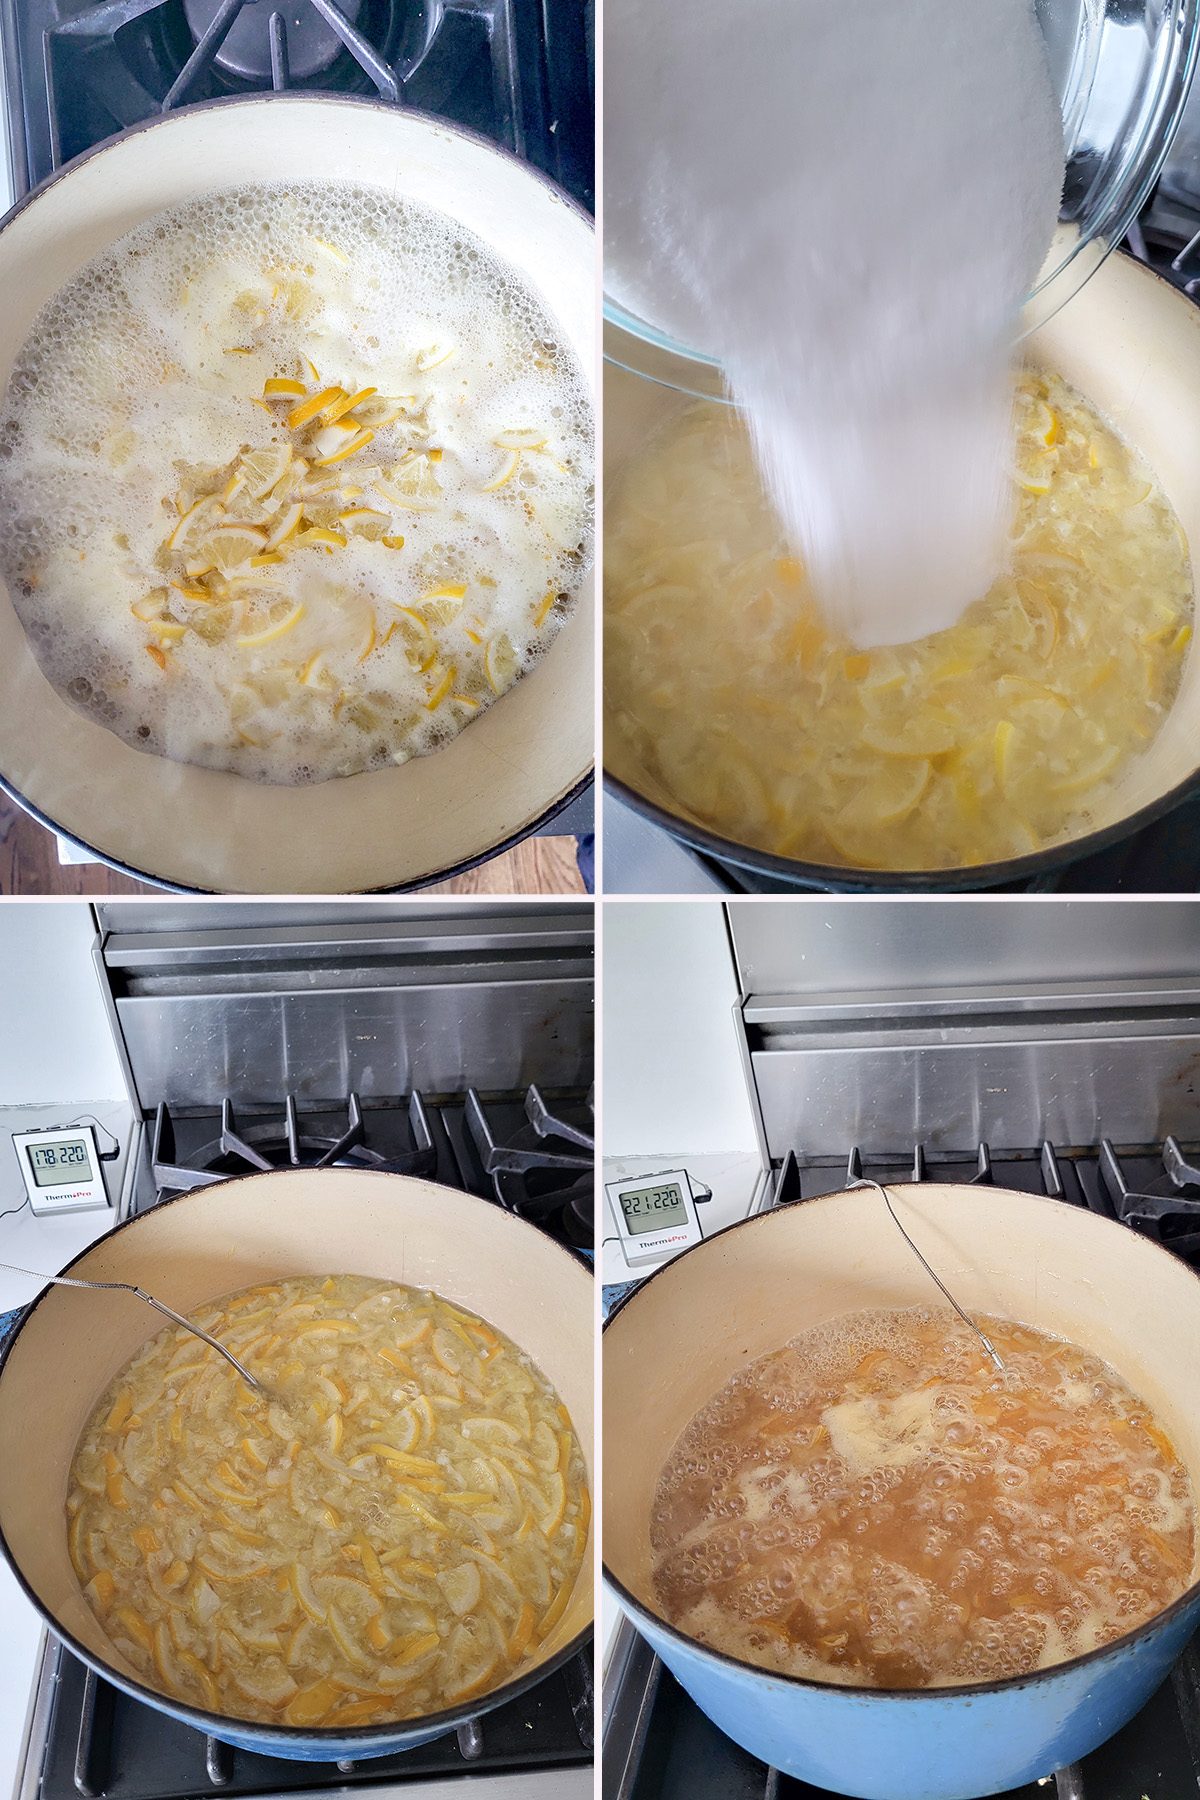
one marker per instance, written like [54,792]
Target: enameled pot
[211,830]
[747,1291]
[71,1342]
[1130,342]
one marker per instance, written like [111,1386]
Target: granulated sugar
[846,206]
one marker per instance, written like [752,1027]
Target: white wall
[673,1078]
[55,1040]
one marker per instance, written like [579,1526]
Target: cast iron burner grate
[102,1745]
[658,1745]
[517,71]
[265,1146]
[544,1171]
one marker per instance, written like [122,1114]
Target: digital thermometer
[656,1215]
[61,1169]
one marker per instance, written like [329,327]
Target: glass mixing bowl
[1121,69]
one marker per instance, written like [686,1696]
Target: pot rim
[1008,1684]
[292,96]
[296,97]
[405,887]
[430,1725]
[844,878]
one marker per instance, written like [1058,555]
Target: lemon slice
[419,646]
[356,443]
[915,737]
[316,403]
[442,606]
[413,484]
[185,528]
[1034,481]
[348,403]
[279,386]
[265,469]
[888,797]
[521,440]
[287,525]
[508,470]
[383,410]
[231,548]
[331,250]
[433,356]
[321,536]
[280,618]
[500,660]
[444,680]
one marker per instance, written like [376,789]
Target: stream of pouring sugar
[846,205]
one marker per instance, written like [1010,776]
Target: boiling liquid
[394,1531]
[876,1505]
[731,696]
[220,582]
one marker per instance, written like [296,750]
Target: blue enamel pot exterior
[68,1343]
[761,1282]
[926,1743]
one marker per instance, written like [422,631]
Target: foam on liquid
[875,1505]
[135,385]
[846,207]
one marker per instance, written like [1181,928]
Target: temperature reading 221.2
[654,1208]
[655,1218]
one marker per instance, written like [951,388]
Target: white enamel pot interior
[294,1222]
[202,829]
[1130,342]
[747,1291]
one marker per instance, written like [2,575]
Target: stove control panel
[656,1216]
[61,1169]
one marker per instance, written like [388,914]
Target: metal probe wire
[866,1181]
[72,1281]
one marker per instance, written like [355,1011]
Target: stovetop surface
[517,71]
[1155,1757]
[132,1752]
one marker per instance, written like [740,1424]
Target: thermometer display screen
[60,1165]
[653,1208]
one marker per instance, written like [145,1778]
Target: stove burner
[532,1172]
[262,31]
[264,1147]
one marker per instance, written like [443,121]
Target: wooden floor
[29,865]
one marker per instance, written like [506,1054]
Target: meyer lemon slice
[382,410]
[412,484]
[500,660]
[888,796]
[348,403]
[521,440]
[355,444]
[190,519]
[505,475]
[442,688]
[280,618]
[915,737]
[433,356]
[279,386]
[322,537]
[234,546]
[442,606]
[418,644]
[1034,481]
[332,250]
[316,403]
[265,469]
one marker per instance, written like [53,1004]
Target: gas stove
[447,1041]
[78,71]
[1052,1047]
